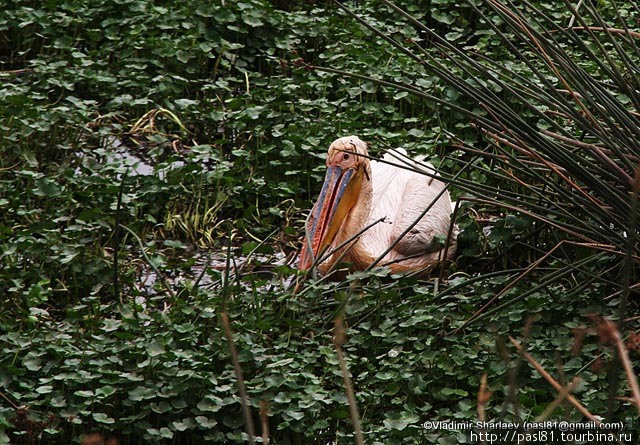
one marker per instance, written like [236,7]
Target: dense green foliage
[215,97]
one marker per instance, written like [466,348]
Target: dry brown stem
[483,397]
[339,339]
[244,398]
[557,386]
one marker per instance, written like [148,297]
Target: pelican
[358,192]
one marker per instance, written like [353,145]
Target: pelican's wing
[401,195]
[388,183]
[420,192]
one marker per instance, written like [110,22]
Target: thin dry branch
[16,72]
[244,398]
[599,106]
[597,151]
[339,339]
[522,25]
[264,413]
[626,362]
[526,272]
[483,397]
[557,386]
[550,165]
[561,396]
[635,34]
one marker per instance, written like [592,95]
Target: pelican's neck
[356,221]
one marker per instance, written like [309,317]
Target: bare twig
[635,34]
[16,72]
[9,400]
[244,398]
[264,413]
[573,16]
[483,397]
[338,340]
[557,386]
[452,227]
[561,396]
[517,279]
[626,362]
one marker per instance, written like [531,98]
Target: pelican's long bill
[338,196]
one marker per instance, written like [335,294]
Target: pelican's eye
[345,156]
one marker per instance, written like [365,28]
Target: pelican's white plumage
[401,195]
[383,191]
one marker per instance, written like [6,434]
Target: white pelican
[356,193]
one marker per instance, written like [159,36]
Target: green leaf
[163,432]
[280,363]
[105,391]
[252,20]
[282,398]
[48,188]
[174,244]
[206,422]
[102,418]
[111,324]
[183,56]
[443,17]
[45,389]
[155,347]
[185,103]
[32,363]
[210,406]
[141,393]
[454,392]
[297,415]
[401,422]
[84,393]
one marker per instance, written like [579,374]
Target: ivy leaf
[84,393]
[183,56]
[103,418]
[141,393]
[47,188]
[205,422]
[45,389]
[155,348]
[32,363]
[105,391]
[401,422]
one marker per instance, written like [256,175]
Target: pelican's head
[347,167]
